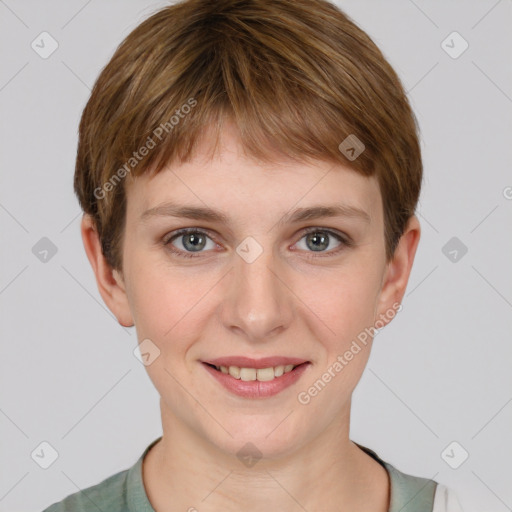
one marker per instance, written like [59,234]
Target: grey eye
[319,241]
[193,241]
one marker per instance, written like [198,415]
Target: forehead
[233,183]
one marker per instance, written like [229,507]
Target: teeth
[265,374]
[278,371]
[234,371]
[261,374]
[248,374]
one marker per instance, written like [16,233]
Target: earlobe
[110,281]
[396,275]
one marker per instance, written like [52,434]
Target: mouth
[256,379]
[261,374]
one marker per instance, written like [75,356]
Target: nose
[258,304]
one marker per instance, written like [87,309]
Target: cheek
[341,304]
[170,306]
[338,314]
[160,300]
[168,313]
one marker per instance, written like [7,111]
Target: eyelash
[345,242]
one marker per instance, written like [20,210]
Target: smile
[261,374]
[250,382]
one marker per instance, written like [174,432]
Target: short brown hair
[297,77]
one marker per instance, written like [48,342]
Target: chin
[254,439]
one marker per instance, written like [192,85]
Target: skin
[283,303]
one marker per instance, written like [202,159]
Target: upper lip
[247,362]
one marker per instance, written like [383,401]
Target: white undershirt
[445,500]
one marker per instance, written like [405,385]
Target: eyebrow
[297,215]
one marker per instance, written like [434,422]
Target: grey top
[124,491]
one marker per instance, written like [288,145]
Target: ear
[110,282]
[397,273]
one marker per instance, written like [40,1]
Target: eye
[185,242]
[319,240]
[189,241]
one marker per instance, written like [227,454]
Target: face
[274,278]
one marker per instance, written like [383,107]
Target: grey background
[440,372]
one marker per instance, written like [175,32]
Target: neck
[183,471]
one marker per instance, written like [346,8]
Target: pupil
[196,242]
[320,241]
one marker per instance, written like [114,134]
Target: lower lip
[256,388]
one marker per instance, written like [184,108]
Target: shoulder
[110,494]
[121,492]
[409,493]
[445,500]
[415,493]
